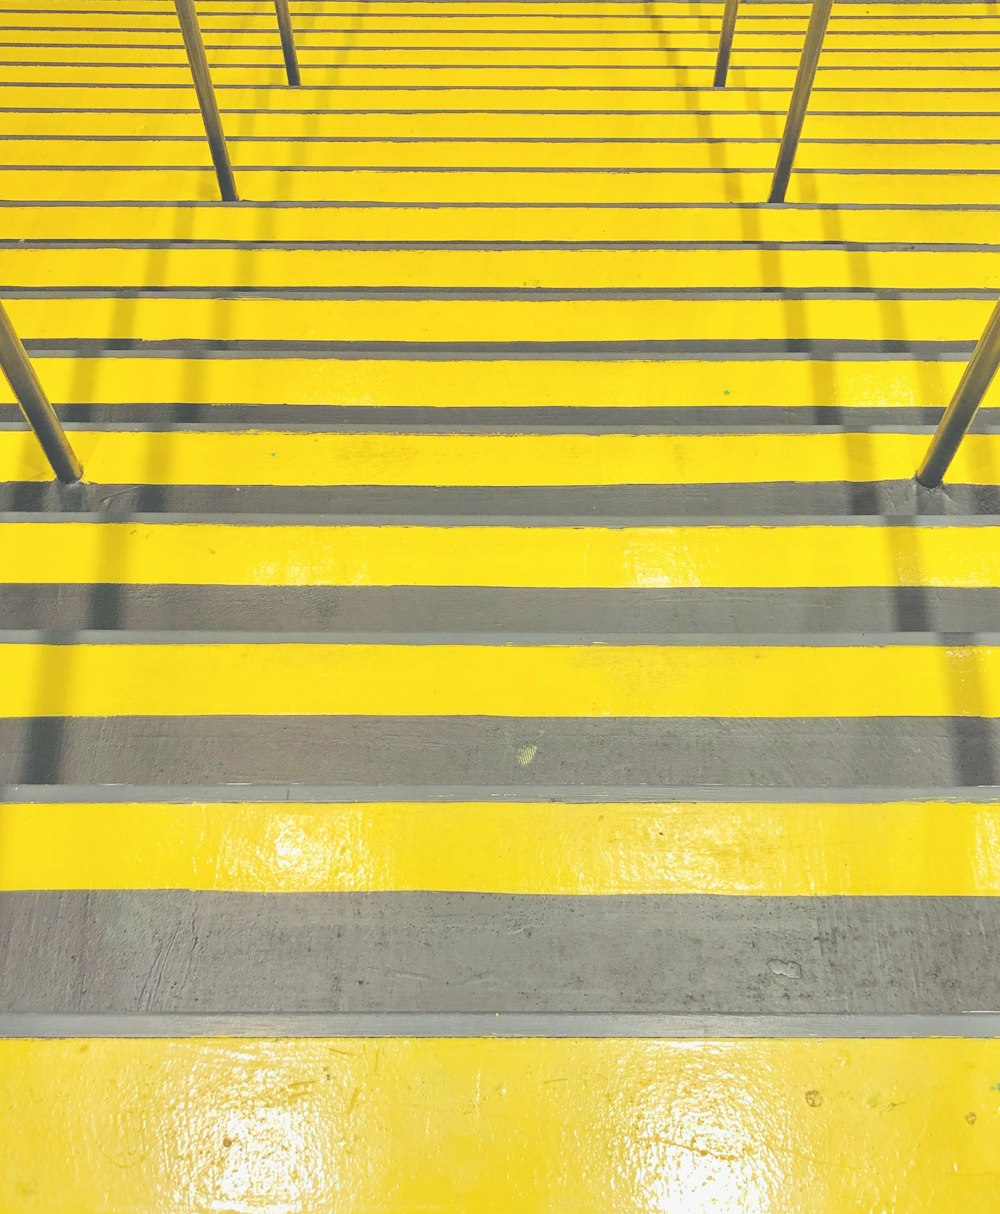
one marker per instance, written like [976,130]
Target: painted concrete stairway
[499,727]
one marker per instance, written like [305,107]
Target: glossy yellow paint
[500,188]
[772,850]
[375,22]
[242,37]
[250,457]
[444,124]
[109,679]
[702,269]
[305,9]
[477,384]
[917,98]
[259,224]
[206,554]
[484,154]
[589,1126]
[492,320]
[338,56]
[665,75]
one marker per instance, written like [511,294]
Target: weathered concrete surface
[176,951]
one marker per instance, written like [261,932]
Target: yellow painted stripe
[595,1126]
[333,35]
[472,384]
[771,850]
[690,223]
[675,681]
[487,320]
[529,17]
[446,124]
[204,554]
[497,188]
[663,76]
[686,34]
[303,8]
[288,458]
[336,59]
[516,153]
[964,96]
[577,268]
[329,23]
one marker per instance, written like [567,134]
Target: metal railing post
[34,404]
[968,397]
[198,63]
[799,104]
[725,43]
[287,41]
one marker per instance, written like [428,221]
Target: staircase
[499,727]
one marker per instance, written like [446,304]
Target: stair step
[415,33]
[150,675]
[606,386]
[339,64]
[537,577]
[547,1117]
[499,187]
[428,123]
[490,756]
[952,553]
[245,457]
[859,93]
[721,271]
[259,225]
[901,498]
[485,154]
[177,952]
[734,848]
[445,611]
[689,318]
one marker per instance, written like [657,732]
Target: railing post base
[799,103]
[34,404]
[198,62]
[961,412]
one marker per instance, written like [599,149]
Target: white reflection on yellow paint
[295,851]
[699,1145]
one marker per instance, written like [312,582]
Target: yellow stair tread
[814,849]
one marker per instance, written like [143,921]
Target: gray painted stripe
[85,65]
[867,639]
[647,419]
[904,752]
[723,348]
[442,427]
[445,520]
[651,1025]
[567,615]
[540,640]
[626,503]
[308,41]
[764,292]
[410,111]
[174,951]
[956,69]
[781,90]
[505,246]
[651,48]
[57,794]
[375,204]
